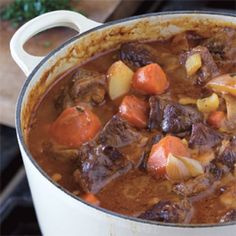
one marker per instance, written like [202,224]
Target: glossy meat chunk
[157,107]
[169,212]
[118,133]
[208,69]
[222,46]
[98,165]
[88,86]
[172,117]
[228,156]
[204,137]
[178,118]
[136,54]
[184,41]
[200,184]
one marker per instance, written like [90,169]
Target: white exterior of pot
[58,211]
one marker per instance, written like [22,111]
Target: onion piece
[231,107]
[194,167]
[176,169]
[224,84]
[229,124]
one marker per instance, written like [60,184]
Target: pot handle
[45,21]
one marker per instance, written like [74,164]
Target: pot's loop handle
[49,20]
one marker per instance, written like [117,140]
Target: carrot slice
[157,160]
[74,126]
[216,118]
[91,198]
[150,79]
[134,110]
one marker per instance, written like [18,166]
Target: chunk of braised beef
[228,156]
[88,86]
[157,107]
[204,137]
[169,212]
[136,55]
[201,185]
[214,171]
[178,118]
[192,187]
[208,69]
[118,133]
[98,165]
[229,216]
[222,46]
[184,41]
[145,154]
[171,117]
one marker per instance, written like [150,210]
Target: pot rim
[68,193]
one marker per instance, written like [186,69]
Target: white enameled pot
[58,211]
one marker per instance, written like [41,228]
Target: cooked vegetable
[224,84]
[119,79]
[193,64]
[150,79]
[208,104]
[231,107]
[176,170]
[216,118]
[74,126]
[134,110]
[193,166]
[187,101]
[157,160]
[91,198]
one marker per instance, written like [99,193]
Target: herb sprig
[20,11]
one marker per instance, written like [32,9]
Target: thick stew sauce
[147,130]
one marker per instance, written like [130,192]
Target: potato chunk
[193,64]
[208,104]
[119,79]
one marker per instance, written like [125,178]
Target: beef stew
[146,129]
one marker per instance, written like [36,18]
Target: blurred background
[17,216]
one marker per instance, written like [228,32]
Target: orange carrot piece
[74,126]
[91,198]
[216,118]
[150,79]
[134,110]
